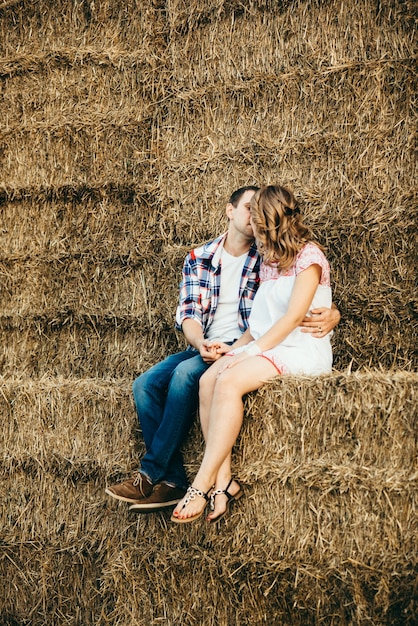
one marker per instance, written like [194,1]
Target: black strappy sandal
[230,497]
[191,494]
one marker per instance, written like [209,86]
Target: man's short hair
[236,195]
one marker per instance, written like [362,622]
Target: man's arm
[193,333]
[321,321]
[189,314]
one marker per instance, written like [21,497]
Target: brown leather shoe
[162,497]
[131,490]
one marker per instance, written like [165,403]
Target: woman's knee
[227,383]
[207,381]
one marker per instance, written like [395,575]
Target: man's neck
[236,245]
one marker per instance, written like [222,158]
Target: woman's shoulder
[311,254]
[310,249]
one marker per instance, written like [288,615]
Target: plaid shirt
[200,286]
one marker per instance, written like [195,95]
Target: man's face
[240,217]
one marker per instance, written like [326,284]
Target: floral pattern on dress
[309,255]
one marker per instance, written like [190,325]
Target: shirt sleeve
[312,255]
[190,305]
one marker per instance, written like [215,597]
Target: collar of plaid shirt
[201,271]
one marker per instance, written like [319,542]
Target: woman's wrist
[253,349]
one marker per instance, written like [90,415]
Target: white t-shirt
[225,322]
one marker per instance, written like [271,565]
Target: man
[213,313]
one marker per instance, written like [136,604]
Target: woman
[295,278]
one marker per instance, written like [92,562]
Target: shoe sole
[150,508]
[120,498]
[186,520]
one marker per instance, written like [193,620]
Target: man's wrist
[198,344]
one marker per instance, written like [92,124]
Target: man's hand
[321,321]
[211,351]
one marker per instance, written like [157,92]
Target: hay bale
[155,149]
[79,346]
[127,124]
[327,527]
[94,269]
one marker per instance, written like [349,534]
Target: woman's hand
[211,351]
[230,361]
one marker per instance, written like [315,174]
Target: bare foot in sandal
[191,507]
[220,499]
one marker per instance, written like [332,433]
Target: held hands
[321,321]
[211,351]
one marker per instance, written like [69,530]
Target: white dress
[299,353]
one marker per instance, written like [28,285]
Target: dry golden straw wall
[124,127]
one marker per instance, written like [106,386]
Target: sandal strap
[191,494]
[219,492]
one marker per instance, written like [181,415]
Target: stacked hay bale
[126,125]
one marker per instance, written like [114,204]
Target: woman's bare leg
[224,424]
[223,477]
[206,390]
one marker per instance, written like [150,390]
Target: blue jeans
[166,399]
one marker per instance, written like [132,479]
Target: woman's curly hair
[280,231]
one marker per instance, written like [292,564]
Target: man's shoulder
[206,250]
